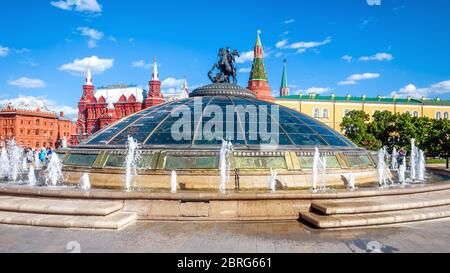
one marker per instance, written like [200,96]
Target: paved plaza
[215,237]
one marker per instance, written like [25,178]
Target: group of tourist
[43,153]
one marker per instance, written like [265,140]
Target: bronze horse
[226,66]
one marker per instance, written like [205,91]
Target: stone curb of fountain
[199,196]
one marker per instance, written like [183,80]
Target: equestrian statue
[226,67]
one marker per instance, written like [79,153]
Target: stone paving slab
[383,204]
[113,221]
[373,219]
[59,206]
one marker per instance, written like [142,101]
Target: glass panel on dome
[334,141]
[358,161]
[307,140]
[191,162]
[118,161]
[260,163]
[83,160]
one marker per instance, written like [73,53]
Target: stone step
[113,221]
[59,206]
[373,219]
[383,204]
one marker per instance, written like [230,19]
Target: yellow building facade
[331,110]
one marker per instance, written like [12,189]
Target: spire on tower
[284,89]
[155,75]
[88,77]
[258,82]
[258,69]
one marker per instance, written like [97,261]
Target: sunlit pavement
[286,237]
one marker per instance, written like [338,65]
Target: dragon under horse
[226,66]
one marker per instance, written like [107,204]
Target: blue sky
[331,46]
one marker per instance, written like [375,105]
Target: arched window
[316,113]
[325,113]
[346,112]
[438,115]
[446,115]
[416,114]
[408,112]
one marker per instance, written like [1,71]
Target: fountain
[85,182]
[316,163]
[131,162]
[14,153]
[351,181]
[37,161]
[4,164]
[173,182]
[273,180]
[24,165]
[54,171]
[31,177]
[225,164]
[402,172]
[394,159]
[413,160]
[323,164]
[421,166]
[381,168]
[64,143]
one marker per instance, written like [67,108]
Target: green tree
[355,126]
[438,140]
[384,128]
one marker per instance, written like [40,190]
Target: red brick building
[34,127]
[100,108]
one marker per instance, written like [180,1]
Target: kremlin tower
[284,90]
[258,82]
[154,96]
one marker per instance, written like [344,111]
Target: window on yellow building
[346,112]
[408,113]
[446,115]
[438,115]
[416,114]
[325,113]
[316,113]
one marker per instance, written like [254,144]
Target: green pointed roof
[258,72]
[258,40]
[284,80]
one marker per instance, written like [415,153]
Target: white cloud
[27,83]
[78,5]
[79,66]
[355,78]
[30,102]
[279,54]
[171,86]
[316,90]
[4,51]
[415,92]
[171,82]
[290,21]
[141,64]
[282,44]
[302,47]
[245,70]
[248,56]
[347,58]
[93,35]
[377,57]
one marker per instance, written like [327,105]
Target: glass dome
[152,127]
